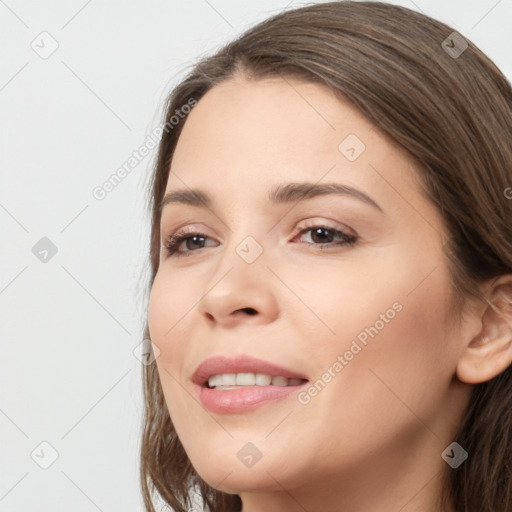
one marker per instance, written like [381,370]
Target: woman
[331,287]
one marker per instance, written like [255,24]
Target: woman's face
[345,294]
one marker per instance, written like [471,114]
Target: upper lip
[240,364]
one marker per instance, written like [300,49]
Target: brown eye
[192,240]
[323,236]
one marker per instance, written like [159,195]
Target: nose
[243,294]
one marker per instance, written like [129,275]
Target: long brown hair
[452,112]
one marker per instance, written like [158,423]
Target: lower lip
[232,401]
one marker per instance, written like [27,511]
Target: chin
[233,480]
[236,466]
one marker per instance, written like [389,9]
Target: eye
[191,240]
[321,236]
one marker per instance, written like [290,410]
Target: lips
[241,399]
[219,365]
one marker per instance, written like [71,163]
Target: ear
[489,351]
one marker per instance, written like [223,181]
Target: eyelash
[174,240]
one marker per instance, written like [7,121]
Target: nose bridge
[243,258]
[247,230]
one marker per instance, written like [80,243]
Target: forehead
[254,134]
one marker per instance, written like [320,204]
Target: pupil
[195,239]
[317,232]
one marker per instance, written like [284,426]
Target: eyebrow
[282,193]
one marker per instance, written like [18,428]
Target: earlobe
[489,352]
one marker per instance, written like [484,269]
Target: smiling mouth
[241,383]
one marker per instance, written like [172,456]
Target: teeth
[279,381]
[229,379]
[245,379]
[263,380]
[216,380]
[250,379]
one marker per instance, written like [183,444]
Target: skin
[372,439]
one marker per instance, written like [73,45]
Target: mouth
[242,383]
[222,371]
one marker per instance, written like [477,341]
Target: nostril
[249,311]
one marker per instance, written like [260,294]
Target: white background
[68,327]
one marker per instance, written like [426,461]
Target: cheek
[167,317]
[398,359]
[169,304]
[165,308]
[172,309]
[389,323]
